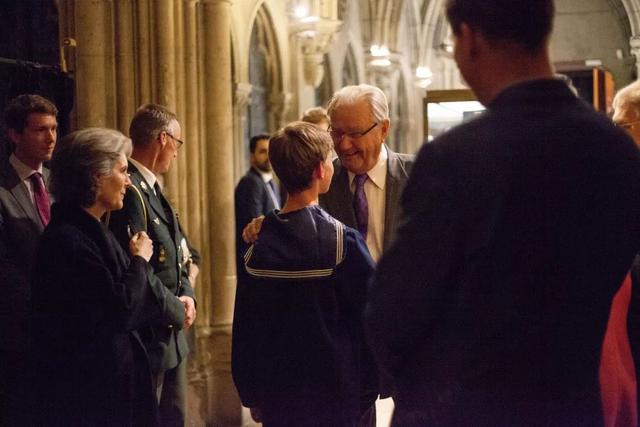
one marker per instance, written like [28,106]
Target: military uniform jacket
[144,210]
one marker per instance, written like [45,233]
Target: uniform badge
[156,220]
[162,256]
[143,185]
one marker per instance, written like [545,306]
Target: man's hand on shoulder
[189,310]
[251,231]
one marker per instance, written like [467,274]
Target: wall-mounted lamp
[381,56]
[379,51]
[423,76]
[301,11]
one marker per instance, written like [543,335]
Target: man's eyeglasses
[179,142]
[626,125]
[337,134]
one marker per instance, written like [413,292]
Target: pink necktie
[41,197]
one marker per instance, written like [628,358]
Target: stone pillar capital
[242,95]
[314,38]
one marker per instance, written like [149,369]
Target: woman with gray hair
[89,299]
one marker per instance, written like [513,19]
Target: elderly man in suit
[369,176]
[518,227]
[155,133]
[31,126]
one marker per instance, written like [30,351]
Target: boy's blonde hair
[295,151]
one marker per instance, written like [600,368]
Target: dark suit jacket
[88,297]
[166,345]
[252,199]
[20,228]
[490,308]
[338,201]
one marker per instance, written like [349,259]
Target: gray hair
[629,95]
[351,94]
[81,159]
[149,121]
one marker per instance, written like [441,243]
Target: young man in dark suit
[255,194]
[490,307]
[155,132]
[31,126]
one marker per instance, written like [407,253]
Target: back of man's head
[253,142]
[628,96]
[527,23]
[148,122]
[16,114]
[295,151]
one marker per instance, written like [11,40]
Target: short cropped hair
[351,94]
[81,159]
[295,151]
[148,122]
[527,23]
[17,111]
[315,115]
[629,96]
[253,142]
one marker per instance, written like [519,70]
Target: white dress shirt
[266,177]
[377,202]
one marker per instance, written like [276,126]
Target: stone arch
[349,69]
[264,48]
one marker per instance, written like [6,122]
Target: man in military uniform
[156,133]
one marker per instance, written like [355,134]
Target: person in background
[32,126]
[317,116]
[89,296]
[256,193]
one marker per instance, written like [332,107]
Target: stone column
[242,98]
[193,193]
[218,122]
[164,77]
[124,62]
[91,59]
[634,43]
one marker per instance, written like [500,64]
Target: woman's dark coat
[90,366]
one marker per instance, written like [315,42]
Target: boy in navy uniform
[299,355]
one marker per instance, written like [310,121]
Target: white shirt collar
[23,171]
[149,176]
[266,176]
[378,173]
